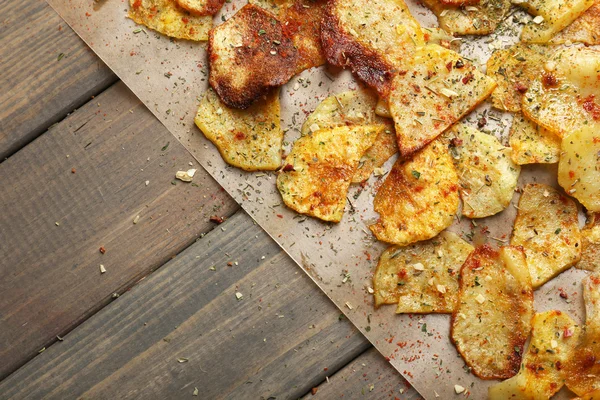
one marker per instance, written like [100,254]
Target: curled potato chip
[493,315]
[487,175]
[201,7]
[167,17]
[423,277]
[590,244]
[249,139]
[553,338]
[477,19]
[419,197]
[319,170]
[585,29]
[532,144]
[439,88]
[556,15]
[547,228]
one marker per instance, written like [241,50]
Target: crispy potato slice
[590,244]
[493,318]
[419,197]
[547,228]
[579,166]
[249,139]
[480,19]
[320,167]
[487,175]
[585,29]
[514,69]
[532,144]
[168,18]
[439,88]
[540,376]
[301,20]
[201,7]
[566,97]
[557,15]
[249,54]
[374,44]
[423,277]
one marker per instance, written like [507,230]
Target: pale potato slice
[556,14]
[514,69]
[477,19]
[585,29]
[248,139]
[493,318]
[540,376]
[167,17]
[566,97]
[319,170]
[579,166]
[487,175]
[532,144]
[418,198]
[590,244]
[202,7]
[547,228]
[439,88]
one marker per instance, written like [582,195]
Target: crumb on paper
[186,176]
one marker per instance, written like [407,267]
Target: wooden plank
[368,376]
[54,221]
[37,88]
[184,328]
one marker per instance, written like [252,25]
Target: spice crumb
[458,389]
[102,269]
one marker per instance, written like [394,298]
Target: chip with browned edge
[476,19]
[552,16]
[585,29]
[201,7]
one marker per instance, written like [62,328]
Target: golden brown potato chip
[514,69]
[532,144]
[439,88]
[547,228]
[419,197]
[375,42]
[201,7]
[540,376]
[590,244]
[566,96]
[555,16]
[493,318]
[487,175]
[249,139]
[319,170]
[249,54]
[585,29]
[166,17]
[479,19]
[579,166]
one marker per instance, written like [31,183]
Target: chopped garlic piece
[186,176]
[458,389]
[419,267]
[441,288]
[480,299]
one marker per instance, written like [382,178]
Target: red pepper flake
[216,219]
[519,87]
[72,170]
[449,66]
[279,216]
[562,293]
[468,78]
[288,168]
[314,390]
[567,332]
[549,80]
[185,20]
[87,14]
[590,106]
[102,249]
[325,369]
[229,264]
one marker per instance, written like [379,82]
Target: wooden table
[87,180]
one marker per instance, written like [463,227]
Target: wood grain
[37,88]
[184,328]
[78,188]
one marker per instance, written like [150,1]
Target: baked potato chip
[487,175]
[493,317]
[532,144]
[585,29]
[419,197]
[201,7]
[320,167]
[375,44]
[547,228]
[540,376]
[565,98]
[579,166]
[556,14]
[168,18]
[249,54]
[248,139]
[590,244]
[479,19]
[439,88]
[514,69]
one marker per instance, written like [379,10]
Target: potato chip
[540,376]
[439,88]
[201,7]
[249,54]
[419,197]
[477,19]
[585,29]
[514,69]
[590,244]
[374,44]
[168,18]
[547,228]
[566,97]
[555,16]
[532,144]
[249,139]
[487,175]
[579,166]
[493,318]
[319,170]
